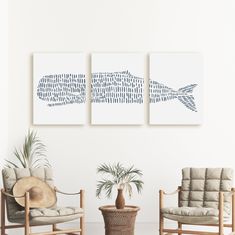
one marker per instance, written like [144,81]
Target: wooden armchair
[204,199]
[26,217]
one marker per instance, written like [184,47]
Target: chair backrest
[11,175]
[201,186]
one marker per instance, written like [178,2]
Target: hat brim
[23,185]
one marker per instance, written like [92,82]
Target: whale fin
[188,89]
[188,99]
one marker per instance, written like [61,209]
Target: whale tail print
[186,98]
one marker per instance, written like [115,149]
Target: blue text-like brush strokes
[159,92]
[117,87]
[62,89]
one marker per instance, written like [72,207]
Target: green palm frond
[132,170]
[104,168]
[32,154]
[138,184]
[10,164]
[118,175]
[20,157]
[132,179]
[114,170]
[39,162]
[105,185]
[129,190]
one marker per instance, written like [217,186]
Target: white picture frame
[59,88]
[117,89]
[175,89]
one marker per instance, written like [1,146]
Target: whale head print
[62,89]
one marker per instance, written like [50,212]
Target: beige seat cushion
[44,216]
[193,215]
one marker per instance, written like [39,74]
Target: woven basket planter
[119,221]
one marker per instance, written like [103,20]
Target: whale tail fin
[187,98]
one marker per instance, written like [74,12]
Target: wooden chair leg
[2,214]
[221,213]
[233,210]
[179,227]
[161,219]
[82,225]
[161,225]
[179,195]
[82,219]
[27,227]
[54,227]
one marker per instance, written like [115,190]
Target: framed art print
[117,89]
[175,88]
[59,88]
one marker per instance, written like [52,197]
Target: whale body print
[62,89]
[117,87]
[159,92]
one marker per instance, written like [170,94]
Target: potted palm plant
[119,219]
[123,178]
[31,155]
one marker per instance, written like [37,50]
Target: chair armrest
[172,193]
[11,195]
[65,193]
[81,193]
[163,193]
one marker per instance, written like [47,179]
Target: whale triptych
[117,91]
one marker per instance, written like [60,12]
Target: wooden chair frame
[221,225]
[27,226]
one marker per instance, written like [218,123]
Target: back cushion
[201,187]
[11,175]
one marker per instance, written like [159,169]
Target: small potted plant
[119,219]
[122,178]
[32,154]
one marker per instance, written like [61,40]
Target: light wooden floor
[98,229]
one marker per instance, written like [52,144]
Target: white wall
[206,26]
[3,79]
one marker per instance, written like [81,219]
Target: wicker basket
[119,221]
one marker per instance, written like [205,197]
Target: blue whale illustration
[159,92]
[62,89]
[116,87]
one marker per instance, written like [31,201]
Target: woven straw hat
[40,193]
